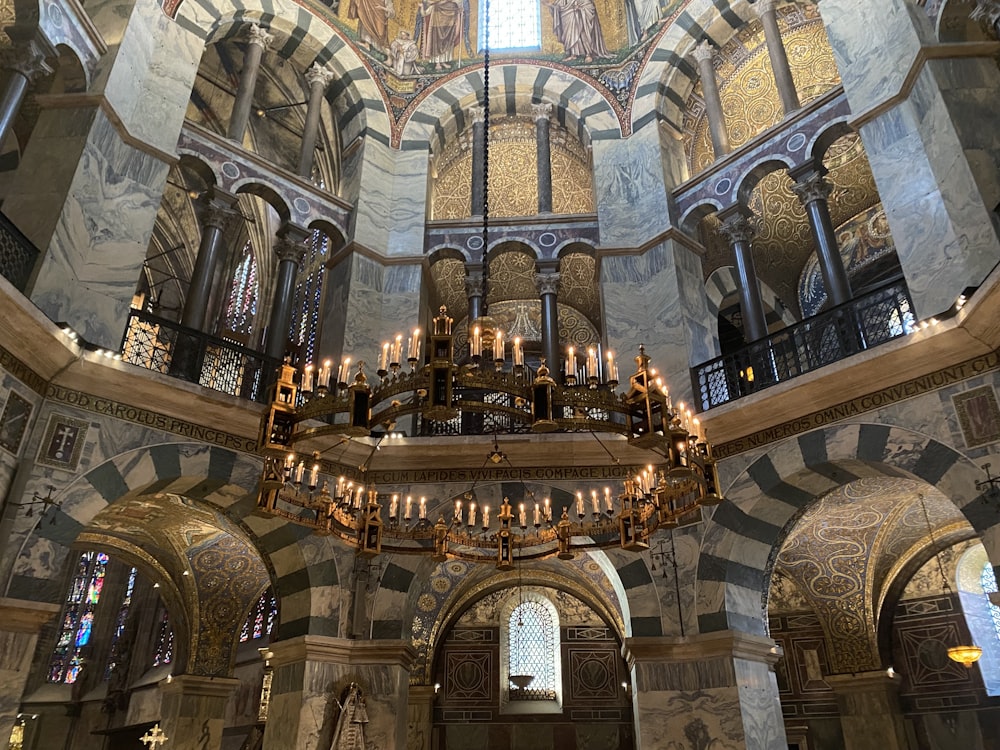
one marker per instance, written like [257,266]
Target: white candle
[518,352]
[498,347]
[383,358]
[409,508]
[538,515]
[307,378]
[570,362]
[612,368]
[345,371]
[522,517]
[358,495]
[415,344]
[592,362]
[397,349]
[472,514]
[486,517]
[298,472]
[423,508]
[314,475]
[607,500]
[324,374]
[477,342]
[458,511]
[595,502]
[579,503]
[394,505]
[548,509]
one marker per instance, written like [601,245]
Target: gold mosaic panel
[448,281]
[578,285]
[513,180]
[746,84]
[512,276]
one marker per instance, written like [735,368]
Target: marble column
[290,251]
[193,709]
[25,63]
[870,713]
[215,215]
[715,689]
[318,77]
[478,116]
[18,636]
[814,191]
[766,11]
[548,288]
[738,229]
[542,113]
[311,673]
[258,42]
[704,55]
[420,717]
[474,288]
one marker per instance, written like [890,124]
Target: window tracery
[78,617]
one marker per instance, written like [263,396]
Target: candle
[383,358]
[409,508]
[413,345]
[307,378]
[548,509]
[522,516]
[518,352]
[472,514]
[423,509]
[394,506]
[298,472]
[486,517]
[579,503]
[538,516]
[607,500]
[498,347]
[324,374]
[397,350]
[458,511]
[345,371]
[612,368]
[570,363]
[340,486]
[592,363]
[314,475]
[476,347]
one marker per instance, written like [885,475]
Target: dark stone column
[25,62]
[703,53]
[477,114]
[548,286]
[739,231]
[318,77]
[259,39]
[290,252]
[813,190]
[542,113]
[474,290]
[768,15]
[216,214]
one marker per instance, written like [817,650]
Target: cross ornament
[153,737]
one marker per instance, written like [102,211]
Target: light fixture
[46,502]
[966,655]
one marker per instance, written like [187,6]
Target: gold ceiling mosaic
[746,84]
[513,181]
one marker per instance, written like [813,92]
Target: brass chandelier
[321,409]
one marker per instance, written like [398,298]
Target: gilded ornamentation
[513,177]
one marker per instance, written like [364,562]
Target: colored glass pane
[78,617]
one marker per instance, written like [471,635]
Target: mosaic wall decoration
[63,442]
[979,415]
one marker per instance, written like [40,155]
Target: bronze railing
[862,323]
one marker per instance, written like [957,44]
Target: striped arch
[670,73]
[302,569]
[308,39]
[745,533]
[395,600]
[437,116]
[725,281]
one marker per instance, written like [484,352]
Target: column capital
[260,37]
[762,7]
[219,210]
[474,284]
[318,75]
[703,51]
[287,248]
[477,114]
[541,111]
[738,224]
[812,186]
[28,59]
[548,282]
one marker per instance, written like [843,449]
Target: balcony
[865,322]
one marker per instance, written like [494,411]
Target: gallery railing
[17,254]
[167,347]
[862,323]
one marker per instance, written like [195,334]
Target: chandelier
[314,410]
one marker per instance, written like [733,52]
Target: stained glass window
[164,651]
[242,304]
[78,617]
[307,299]
[517,26]
[988,580]
[123,609]
[261,619]
[533,641]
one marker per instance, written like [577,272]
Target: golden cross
[153,737]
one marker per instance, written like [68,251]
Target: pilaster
[193,711]
[870,714]
[19,625]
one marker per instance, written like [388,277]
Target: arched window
[976,580]
[123,610]
[530,638]
[163,652]
[78,617]
[260,622]
[241,307]
[518,26]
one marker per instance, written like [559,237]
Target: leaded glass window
[517,25]
[241,308]
[533,642]
[307,299]
[163,653]
[123,609]
[988,580]
[261,619]
[78,617]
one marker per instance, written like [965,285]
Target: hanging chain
[486,153]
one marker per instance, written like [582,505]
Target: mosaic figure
[439,30]
[578,28]
[373,21]
[403,54]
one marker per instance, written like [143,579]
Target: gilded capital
[259,36]
[541,111]
[813,187]
[319,75]
[548,283]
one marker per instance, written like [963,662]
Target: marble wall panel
[390,217]
[760,706]
[16,650]
[630,190]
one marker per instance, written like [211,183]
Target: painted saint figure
[403,54]
[578,28]
[373,21]
[349,733]
[438,30]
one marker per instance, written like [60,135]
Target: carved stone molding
[260,37]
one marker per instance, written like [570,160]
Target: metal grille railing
[167,347]
[862,323]
[17,255]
